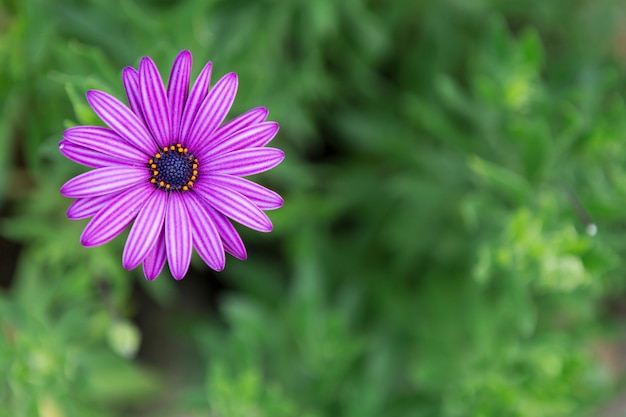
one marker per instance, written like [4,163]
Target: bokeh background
[453,236]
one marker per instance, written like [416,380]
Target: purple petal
[145,231]
[205,236]
[234,205]
[262,197]
[177,236]
[230,238]
[119,118]
[177,90]
[113,218]
[212,112]
[253,116]
[104,140]
[88,157]
[254,136]
[154,102]
[155,261]
[104,181]
[196,97]
[245,162]
[130,78]
[87,207]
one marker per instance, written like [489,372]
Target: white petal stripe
[213,110]
[113,218]
[119,118]
[253,116]
[88,157]
[88,206]
[196,97]
[104,140]
[104,181]
[255,136]
[262,197]
[177,90]
[154,102]
[205,236]
[130,78]
[245,162]
[154,262]
[235,206]
[145,231]
[230,237]
[177,236]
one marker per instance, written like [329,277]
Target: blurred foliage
[451,242]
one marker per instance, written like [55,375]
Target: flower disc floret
[173,168]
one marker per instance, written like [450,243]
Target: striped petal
[230,237]
[205,237]
[104,181]
[119,118]
[261,197]
[87,207]
[234,205]
[254,136]
[177,236]
[113,218]
[104,140]
[155,261]
[245,162]
[212,112]
[88,157]
[154,102]
[253,116]
[130,78]
[145,231]
[196,97]
[177,90]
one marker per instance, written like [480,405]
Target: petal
[154,102]
[155,261]
[145,231]
[234,205]
[130,78]
[104,140]
[212,112]
[177,236]
[113,218]
[119,118]
[254,136]
[205,236]
[253,116]
[87,207]
[230,238]
[245,162]
[177,90]
[196,97]
[88,157]
[262,197]
[104,181]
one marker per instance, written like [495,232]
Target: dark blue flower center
[173,169]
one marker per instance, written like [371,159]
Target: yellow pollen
[180,150]
[193,178]
[153,166]
[185,188]
[194,166]
[153,180]
[151,161]
[172,147]
[162,183]
[190,183]
[165,149]
[186,150]
[155,173]
[178,145]
[157,155]
[195,172]
[167,186]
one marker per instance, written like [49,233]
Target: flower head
[167,163]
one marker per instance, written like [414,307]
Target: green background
[453,233]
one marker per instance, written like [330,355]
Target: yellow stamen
[167,186]
[162,183]
[153,180]
[185,188]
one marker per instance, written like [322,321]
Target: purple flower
[167,164]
